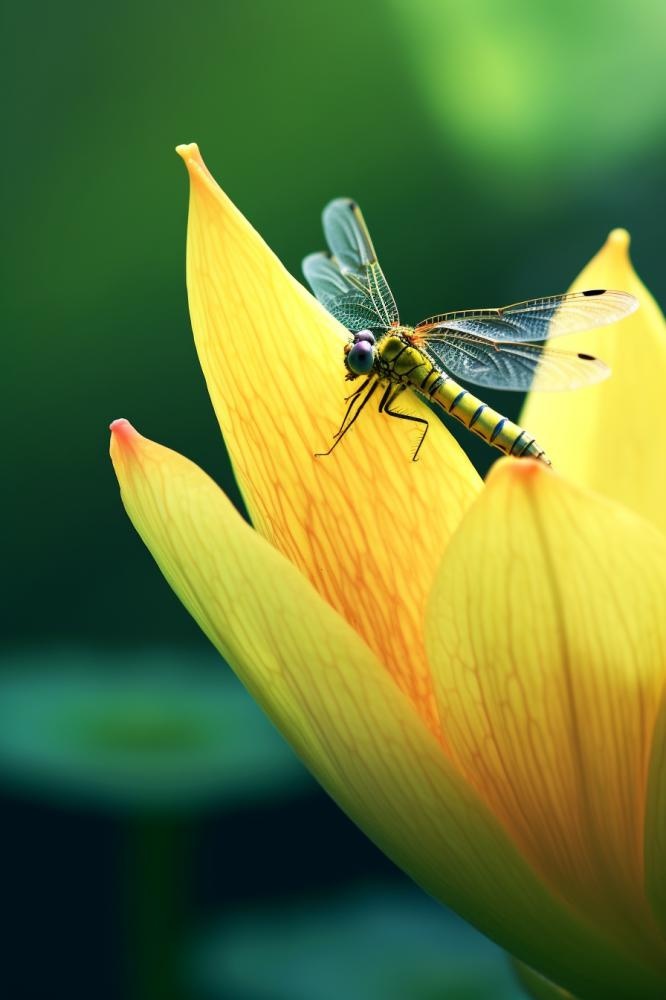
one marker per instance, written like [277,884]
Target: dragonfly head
[360,354]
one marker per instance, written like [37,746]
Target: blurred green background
[492,146]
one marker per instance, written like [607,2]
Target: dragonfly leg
[352,396]
[351,400]
[388,399]
[343,429]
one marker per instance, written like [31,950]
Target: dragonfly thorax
[398,357]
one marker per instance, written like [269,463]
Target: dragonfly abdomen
[481,419]
[401,361]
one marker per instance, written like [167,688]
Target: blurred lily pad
[138,730]
[369,945]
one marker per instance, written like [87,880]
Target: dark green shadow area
[156,740]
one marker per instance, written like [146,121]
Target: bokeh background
[160,841]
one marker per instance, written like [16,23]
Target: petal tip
[123,439]
[122,429]
[619,238]
[528,476]
[189,151]
[190,154]
[524,470]
[617,246]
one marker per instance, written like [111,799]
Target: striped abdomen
[490,425]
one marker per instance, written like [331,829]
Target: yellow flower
[609,436]
[475,675]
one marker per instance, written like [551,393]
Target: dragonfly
[498,348]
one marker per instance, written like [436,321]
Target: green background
[492,146]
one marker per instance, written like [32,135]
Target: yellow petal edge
[546,634]
[348,720]
[537,987]
[610,437]
[366,525]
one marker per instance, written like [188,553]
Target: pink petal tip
[122,429]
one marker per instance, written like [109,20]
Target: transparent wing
[538,319]
[513,366]
[349,241]
[347,234]
[349,304]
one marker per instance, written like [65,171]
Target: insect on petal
[366,525]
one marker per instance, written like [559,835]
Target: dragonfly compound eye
[361,357]
[366,335]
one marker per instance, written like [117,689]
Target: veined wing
[513,366]
[350,304]
[537,319]
[350,243]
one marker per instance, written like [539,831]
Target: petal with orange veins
[348,720]
[609,436]
[366,524]
[547,639]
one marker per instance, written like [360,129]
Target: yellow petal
[547,639]
[348,720]
[609,436]
[366,525]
